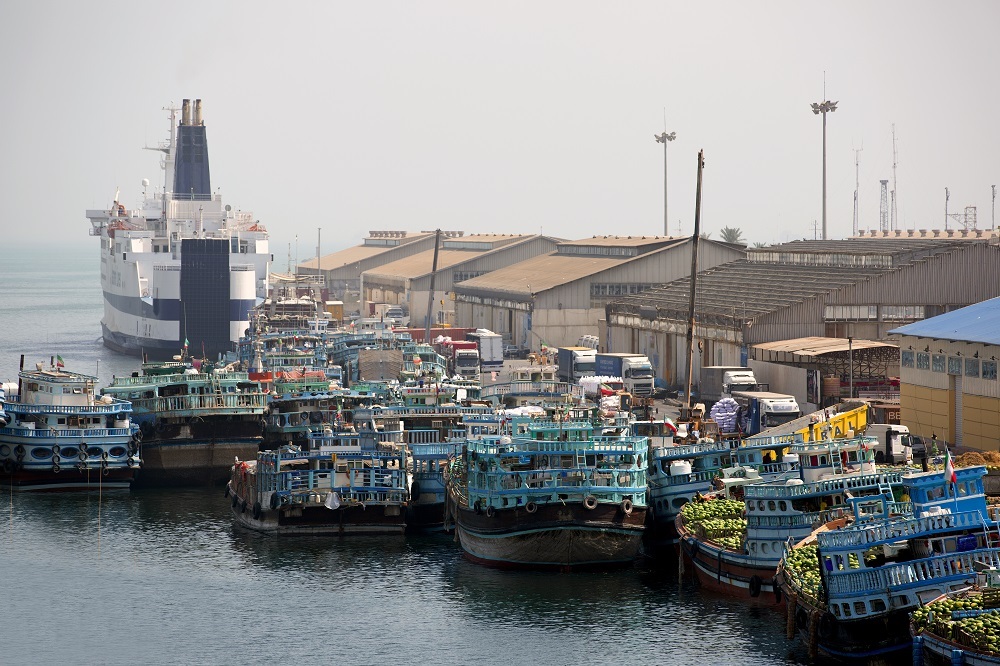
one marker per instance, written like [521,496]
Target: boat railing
[48,433]
[422,436]
[690,450]
[433,450]
[911,574]
[821,446]
[522,387]
[777,467]
[179,377]
[826,486]
[612,445]
[626,480]
[870,533]
[703,476]
[808,519]
[247,402]
[772,441]
[114,408]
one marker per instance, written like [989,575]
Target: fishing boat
[182,268]
[960,627]
[741,556]
[57,434]
[554,493]
[348,481]
[850,590]
[194,418]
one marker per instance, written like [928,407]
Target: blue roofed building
[948,376]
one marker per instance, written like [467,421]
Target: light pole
[824,107]
[664,139]
[993,214]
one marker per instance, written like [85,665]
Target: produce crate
[991,598]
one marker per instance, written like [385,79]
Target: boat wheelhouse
[558,493]
[59,434]
[874,571]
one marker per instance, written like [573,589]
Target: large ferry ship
[182,269]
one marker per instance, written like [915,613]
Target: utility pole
[947,195]
[993,213]
[824,107]
[893,222]
[857,186]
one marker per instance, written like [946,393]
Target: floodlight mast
[824,107]
[664,139]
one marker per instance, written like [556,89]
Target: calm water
[161,577]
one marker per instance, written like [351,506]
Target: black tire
[590,502]
[55,468]
[235,501]
[225,493]
[243,506]
[83,454]
[755,584]
[56,449]
[414,490]
[490,511]
[256,510]
[627,506]
[19,452]
[275,501]
[531,507]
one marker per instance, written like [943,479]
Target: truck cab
[895,444]
[761,410]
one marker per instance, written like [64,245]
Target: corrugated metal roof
[976,323]
[345,257]
[421,263]
[540,273]
[860,246]
[816,346]
[623,241]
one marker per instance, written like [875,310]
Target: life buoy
[490,511]
[414,490]
[626,506]
[589,502]
[256,510]
[755,583]
[531,507]
[130,462]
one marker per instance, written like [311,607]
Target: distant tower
[893,220]
[857,151]
[883,207]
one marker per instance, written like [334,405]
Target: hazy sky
[513,116]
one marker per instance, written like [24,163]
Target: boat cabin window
[963,489]
[847,610]
[782,505]
[760,505]
[770,505]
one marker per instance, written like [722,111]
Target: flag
[186,343]
[59,361]
[949,469]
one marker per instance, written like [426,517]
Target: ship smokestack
[197,112]
[191,173]
[186,112]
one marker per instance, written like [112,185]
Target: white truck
[760,410]
[635,370]
[719,381]
[490,348]
[575,363]
[894,446]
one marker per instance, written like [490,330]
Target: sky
[505,117]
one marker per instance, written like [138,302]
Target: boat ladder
[885,488]
[220,401]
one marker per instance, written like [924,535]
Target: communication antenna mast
[947,195]
[883,207]
[893,220]
[857,151]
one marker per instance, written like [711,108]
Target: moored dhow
[193,421]
[558,493]
[347,481]
[58,435]
[182,269]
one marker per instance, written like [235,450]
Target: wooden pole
[694,276]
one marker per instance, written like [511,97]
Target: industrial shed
[859,288]
[556,298]
[948,376]
[408,281]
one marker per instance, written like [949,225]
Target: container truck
[462,356]
[719,381]
[760,410]
[575,363]
[635,370]
[490,349]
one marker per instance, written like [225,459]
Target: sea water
[163,576]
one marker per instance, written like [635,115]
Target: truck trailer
[719,381]
[760,410]
[575,363]
[490,349]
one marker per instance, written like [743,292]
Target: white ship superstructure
[182,269]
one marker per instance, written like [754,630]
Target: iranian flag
[59,361]
[949,469]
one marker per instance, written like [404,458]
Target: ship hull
[193,462]
[70,479]
[131,345]
[729,573]
[318,520]
[555,536]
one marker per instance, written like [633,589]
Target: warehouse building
[948,376]
[859,288]
[556,298]
[408,281]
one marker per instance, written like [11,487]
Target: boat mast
[430,293]
[694,275]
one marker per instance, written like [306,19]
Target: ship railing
[703,476]
[555,388]
[772,441]
[494,446]
[826,486]
[690,450]
[433,450]
[810,519]
[870,533]
[114,408]
[247,402]
[179,377]
[821,446]
[628,479]
[422,436]
[48,433]
[913,574]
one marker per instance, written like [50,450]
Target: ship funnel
[197,112]
[186,112]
